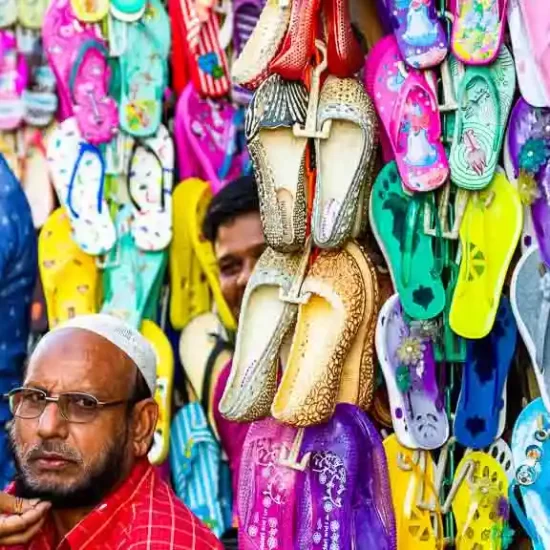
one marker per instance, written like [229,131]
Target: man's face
[238,246]
[73,464]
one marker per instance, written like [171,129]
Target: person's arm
[20,520]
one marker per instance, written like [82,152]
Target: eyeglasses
[74,406]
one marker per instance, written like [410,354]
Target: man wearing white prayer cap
[83,425]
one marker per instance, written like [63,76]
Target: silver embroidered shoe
[344,160]
[279,158]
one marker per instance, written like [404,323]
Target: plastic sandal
[484,97]
[412,123]
[91,12]
[480,406]
[14,73]
[408,365]
[489,234]
[30,13]
[70,278]
[128,11]
[478,30]
[8,13]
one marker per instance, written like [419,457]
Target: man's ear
[145,416]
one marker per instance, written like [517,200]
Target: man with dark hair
[83,425]
[233,226]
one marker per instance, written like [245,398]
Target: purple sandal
[344,498]
[528,153]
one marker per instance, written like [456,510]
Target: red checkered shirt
[142,514]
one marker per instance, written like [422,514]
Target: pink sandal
[409,112]
[14,76]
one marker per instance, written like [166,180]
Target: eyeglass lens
[75,407]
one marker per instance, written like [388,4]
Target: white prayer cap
[123,336]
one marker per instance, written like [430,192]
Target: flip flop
[129,11]
[412,482]
[78,173]
[480,405]
[129,274]
[91,12]
[70,278]
[332,301]
[144,72]
[340,502]
[279,157]
[478,30]
[163,392]
[353,134]
[193,266]
[530,299]
[150,180]
[409,113]
[251,67]
[246,14]
[96,113]
[529,447]
[252,383]
[14,74]
[484,97]
[212,134]
[527,155]
[358,373]
[206,58]
[489,233]
[36,177]
[409,368]
[530,79]
[63,36]
[39,96]
[195,460]
[267,495]
[396,218]
[420,35]
[537,23]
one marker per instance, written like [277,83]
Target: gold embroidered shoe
[333,296]
[265,320]
[278,157]
[344,160]
[357,384]
[251,67]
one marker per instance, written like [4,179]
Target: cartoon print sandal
[13,80]
[279,157]
[530,297]
[164,389]
[479,503]
[39,95]
[78,174]
[484,97]
[478,30]
[96,113]
[530,449]
[348,111]
[396,220]
[480,405]
[489,233]
[408,365]
[527,156]
[420,35]
[150,180]
[70,277]
[409,112]
[206,58]
[266,504]
[412,482]
[144,72]
[251,67]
